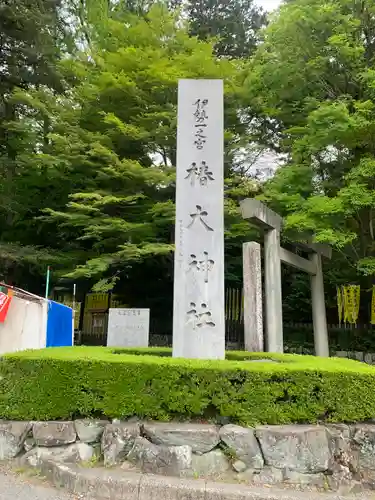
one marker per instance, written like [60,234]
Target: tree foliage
[313,84]
[234,23]
[98,158]
[33,37]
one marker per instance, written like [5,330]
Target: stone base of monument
[336,457]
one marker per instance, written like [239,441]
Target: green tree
[312,82]
[94,190]
[33,37]
[234,23]
[112,146]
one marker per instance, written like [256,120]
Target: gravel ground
[20,487]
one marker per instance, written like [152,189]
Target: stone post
[273,299]
[253,304]
[318,307]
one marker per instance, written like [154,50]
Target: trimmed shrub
[64,383]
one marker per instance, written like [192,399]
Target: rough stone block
[117,441]
[167,461]
[12,438]
[293,477]
[247,475]
[244,443]
[302,448]
[74,453]
[339,444]
[239,466]
[201,438]
[90,431]
[80,452]
[29,444]
[364,447]
[268,475]
[340,478]
[212,463]
[54,433]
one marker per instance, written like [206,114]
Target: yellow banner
[97,301]
[373,306]
[351,298]
[340,303]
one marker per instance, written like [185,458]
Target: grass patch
[70,382]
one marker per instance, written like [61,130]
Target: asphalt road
[19,487]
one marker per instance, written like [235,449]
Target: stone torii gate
[271,222]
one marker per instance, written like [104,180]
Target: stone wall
[334,456]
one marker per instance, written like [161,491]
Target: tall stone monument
[198,313]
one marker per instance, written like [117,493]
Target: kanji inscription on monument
[198,314]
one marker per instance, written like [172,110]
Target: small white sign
[128,327]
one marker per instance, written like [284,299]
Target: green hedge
[61,383]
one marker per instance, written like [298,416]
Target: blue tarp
[59,325]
